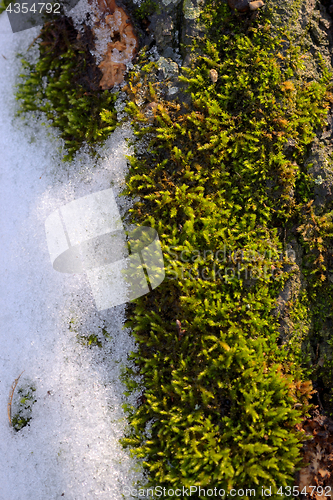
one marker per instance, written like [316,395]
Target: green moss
[22,406]
[89,340]
[94,339]
[225,184]
[219,391]
[63,84]
[145,9]
[320,342]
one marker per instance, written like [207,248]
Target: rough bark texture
[311,23]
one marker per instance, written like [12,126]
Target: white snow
[70,449]
[84,11]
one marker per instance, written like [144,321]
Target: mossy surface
[226,185]
[64,84]
[4,4]
[224,363]
[144,10]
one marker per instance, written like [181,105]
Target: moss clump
[64,84]
[23,406]
[90,340]
[144,10]
[223,184]
[94,339]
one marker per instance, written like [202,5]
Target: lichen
[191,10]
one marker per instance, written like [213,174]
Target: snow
[84,10]
[70,449]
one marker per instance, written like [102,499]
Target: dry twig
[11,394]
[179,329]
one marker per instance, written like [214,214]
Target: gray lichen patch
[192,9]
[167,67]
[168,2]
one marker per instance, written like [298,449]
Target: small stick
[11,394]
[179,329]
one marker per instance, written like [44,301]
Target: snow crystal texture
[70,449]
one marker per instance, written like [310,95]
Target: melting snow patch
[49,324]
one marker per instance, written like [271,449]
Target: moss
[223,189]
[89,340]
[94,339]
[64,85]
[145,9]
[226,184]
[22,406]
